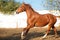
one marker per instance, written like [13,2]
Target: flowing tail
[58,16]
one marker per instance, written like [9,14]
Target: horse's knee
[53,27]
[25,31]
[49,27]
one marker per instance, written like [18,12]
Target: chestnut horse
[36,19]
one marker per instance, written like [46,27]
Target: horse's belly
[40,24]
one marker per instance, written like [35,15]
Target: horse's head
[21,8]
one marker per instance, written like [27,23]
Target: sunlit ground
[33,34]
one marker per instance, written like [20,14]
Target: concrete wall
[18,20]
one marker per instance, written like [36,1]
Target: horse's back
[52,18]
[45,19]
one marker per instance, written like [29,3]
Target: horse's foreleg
[25,31]
[23,34]
[48,30]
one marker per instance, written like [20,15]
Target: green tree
[8,6]
[53,4]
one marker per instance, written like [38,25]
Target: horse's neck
[29,12]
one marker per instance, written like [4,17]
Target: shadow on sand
[36,35]
[29,36]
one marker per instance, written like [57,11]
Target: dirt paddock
[33,34]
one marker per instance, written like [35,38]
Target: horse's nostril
[17,12]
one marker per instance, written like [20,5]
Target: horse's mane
[28,5]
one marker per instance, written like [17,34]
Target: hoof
[22,37]
[56,36]
[42,38]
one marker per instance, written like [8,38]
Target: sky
[36,4]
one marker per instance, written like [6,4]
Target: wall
[18,20]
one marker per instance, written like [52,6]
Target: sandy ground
[33,34]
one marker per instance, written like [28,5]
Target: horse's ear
[23,3]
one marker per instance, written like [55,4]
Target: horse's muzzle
[17,12]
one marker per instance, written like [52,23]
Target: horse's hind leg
[55,30]
[48,30]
